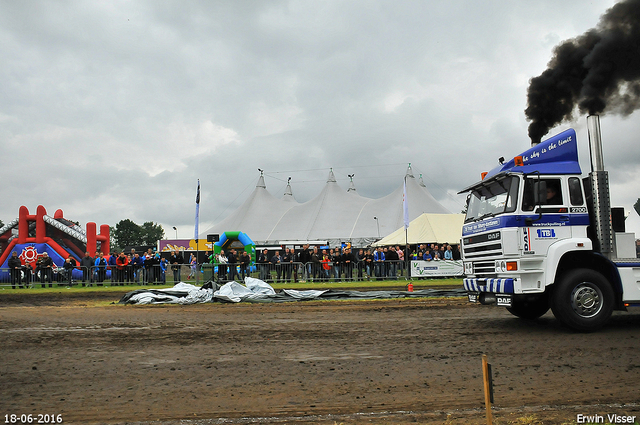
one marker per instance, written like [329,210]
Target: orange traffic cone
[410,287]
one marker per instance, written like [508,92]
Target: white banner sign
[421,268]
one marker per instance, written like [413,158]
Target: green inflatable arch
[236,240]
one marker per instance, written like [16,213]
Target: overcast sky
[113,110]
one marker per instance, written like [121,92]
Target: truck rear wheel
[530,309]
[583,300]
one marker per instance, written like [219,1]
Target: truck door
[577,209]
[552,221]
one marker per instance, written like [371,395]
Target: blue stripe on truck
[501,286]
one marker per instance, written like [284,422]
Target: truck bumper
[502,286]
[490,291]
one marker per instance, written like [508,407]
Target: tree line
[127,233]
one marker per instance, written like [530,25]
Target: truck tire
[583,300]
[530,309]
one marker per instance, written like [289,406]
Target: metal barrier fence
[157,275]
[330,271]
[97,275]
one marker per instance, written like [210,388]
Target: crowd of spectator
[119,267]
[320,264]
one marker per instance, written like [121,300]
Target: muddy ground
[391,361]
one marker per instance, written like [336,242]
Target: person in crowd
[392,263]
[153,265]
[37,271]
[448,254]
[100,266]
[128,270]
[293,267]
[28,272]
[287,264]
[245,263]
[426,256]
[86,264]
[46,269]
[637,248]
[164,265]
[222,261]
[348,260]
[263,264]
[456,253]
[148,268]
[232,260]
[137,264]
[326,266]
[368,263]
[177,260]
[121,269]
[276,264]
[379,258]
[334,263]
[193,265]
[15,267]
[304,258]
[386,264]
[68,266]
[360,258]
[316,259]
[436,253]
[401,263]
[111,261]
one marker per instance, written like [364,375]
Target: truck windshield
[493,198]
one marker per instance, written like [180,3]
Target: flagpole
[196,233]
[405,211]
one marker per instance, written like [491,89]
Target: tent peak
[332,177]
[409,171]
[420,181]
[352,187]
[261,182]
[287,190]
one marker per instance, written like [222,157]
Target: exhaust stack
[600,191]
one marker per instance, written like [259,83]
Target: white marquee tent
[428,228]
[335,215]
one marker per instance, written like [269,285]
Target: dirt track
[396,361]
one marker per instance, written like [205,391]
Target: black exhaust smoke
[597,72]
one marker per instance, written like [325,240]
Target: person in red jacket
[121,265]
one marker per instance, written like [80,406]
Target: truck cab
[530,240]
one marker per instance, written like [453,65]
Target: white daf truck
[538,235]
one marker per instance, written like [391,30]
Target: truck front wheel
[530,309]
[583,300]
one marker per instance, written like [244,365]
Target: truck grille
[484,269]
[494,249]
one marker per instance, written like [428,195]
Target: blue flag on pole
[197,211]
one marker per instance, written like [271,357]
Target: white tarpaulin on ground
[428,228]
[420,268]
[255,290]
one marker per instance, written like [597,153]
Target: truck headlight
[468,268]
[500,266]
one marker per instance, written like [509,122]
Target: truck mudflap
[502,286]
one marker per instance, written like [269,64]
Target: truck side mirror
[539,197]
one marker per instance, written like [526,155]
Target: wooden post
[487,388]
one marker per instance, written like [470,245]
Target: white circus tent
[335,215]
[432,228]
